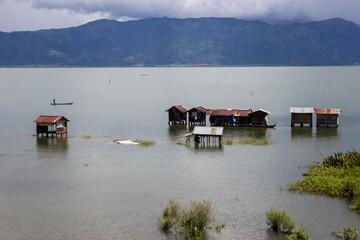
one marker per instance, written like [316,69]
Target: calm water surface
[91,188]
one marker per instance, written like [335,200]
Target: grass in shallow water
[338,176]
[256,142]
[145,143]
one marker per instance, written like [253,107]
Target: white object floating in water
[126,142]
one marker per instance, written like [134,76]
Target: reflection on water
[212,147]
[326,132]
[176,132]
[321,133]
[301,132]
[246,132]
[52,146]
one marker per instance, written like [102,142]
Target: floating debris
[125,142]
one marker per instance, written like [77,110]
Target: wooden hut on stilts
[177,115]
[301,116]
[326,117]
[197,116]
[51,126]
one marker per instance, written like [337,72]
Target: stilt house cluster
[325,117]
[179,114]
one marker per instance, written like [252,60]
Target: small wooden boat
[259,126]
[64,103]
[69,103]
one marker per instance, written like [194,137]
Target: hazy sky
[19,15]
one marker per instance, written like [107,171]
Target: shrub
[347,234]
[189,223]
[298,233]
[347,160]
[279,220]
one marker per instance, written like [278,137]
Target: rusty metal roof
[228,112]
[200,109]
[327,110]
[49,119]
[181,108]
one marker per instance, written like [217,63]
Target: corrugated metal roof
[181,108]
[49,119]
[262,110]
[208,131]
[228,112]
[201,109]
[327,110]
[301,110]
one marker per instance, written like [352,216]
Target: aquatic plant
[256,142]
[298,233]
[87,137]
[145,143]
[280,221]
[191,223]
[347,234]
[337,176]
[229,142]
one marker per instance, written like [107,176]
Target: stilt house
[205,134]
[301,116]
[197,116]
[259,118]
[229,117]
[177,114]
[327,117]
[51,126]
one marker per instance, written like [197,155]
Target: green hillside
[166,41]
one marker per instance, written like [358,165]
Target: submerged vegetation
[256,142]
[191,223]
[145,143]
[87,137]
[338,175]
[347,234]
[280,221]
[249,141]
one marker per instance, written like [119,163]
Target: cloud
[66,13]
[19,15]
[253,9]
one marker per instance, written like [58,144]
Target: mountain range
[191,41]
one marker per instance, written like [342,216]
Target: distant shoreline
[182,66]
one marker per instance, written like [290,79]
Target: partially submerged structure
[219,117]
[259,118]
[51,126]
[197,116]
[206,134]
[326,117]
[229,117]
[177,114]
[301,116]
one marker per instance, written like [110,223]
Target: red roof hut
[51,126]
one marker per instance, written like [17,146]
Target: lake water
[91,188]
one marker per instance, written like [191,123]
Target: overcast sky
[20,15]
